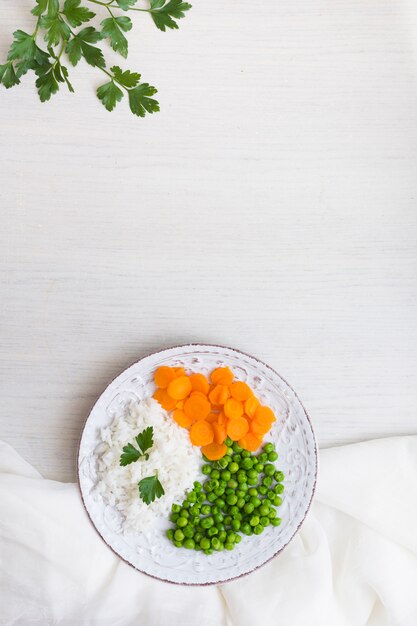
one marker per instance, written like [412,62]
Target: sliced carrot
[199,393]
[222,376]
[250,442]
[240,391]
[222,419]
[163,376]
[251,405]
[214,451]
[237,428]
[180,371]
[180,404]
[182,419]
[164,399]
[212,417]
[199,383]
[201,433]
[264,415]
[219,432]
[233,408]
[179,388]
[197,407]
[259,429]
[219,394]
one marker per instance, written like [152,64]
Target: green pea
[194,520]
[207,522]
[188,531]
[228,442]
[254,520]
[176,508]
[198,537]
[233,510]
[272,456]
[228,459]
[238,538]
[252,473]
[228,519]
[215,543]
[263,509]
[255,501]
[233,467]
[178,535]
[253,481]
[205,543]
[209,551]
[222,536]
[219,491]
[218,518]
[248,508]
[215,474]
[206,469]
[276,522]
[173,517]
[192,496]
[211,496]
[236,447]
[263,458]
[240,493]
[230,451]
[271,494]
[212,531]
[232,484]
[262,490]
[241,478]
[226,475]
[265,521]
[267,481]
[279,476]
[237,458]
[253,492]
[205,509]
[197,547]
[240,503]
[229,546]
[189,544]
[279,488]
[245,454]
[195,510]
[245,528]
[277,501]
[184,512]
[231,537]
[220,503]
[238,516]
[246,463]
[258,529]
[269,447]
[235,524]
[272,513]
[170,534]
[258,467]
[201,497]
[269,469]
[222,463]
[214,484]
[244,486]
[178,544]
[231,499]
[197,486]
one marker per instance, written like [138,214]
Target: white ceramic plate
[292,434]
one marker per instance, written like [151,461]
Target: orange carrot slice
[180,404]
[212,417]
[199,393]
[259,429]
[222,419]
[214,451]
[233,408]
[219,432]
[264,415]
[164,399]
[197,407]
[237,428]
[199,383]
[240,391]
[182,419]
[201,433]
[250,442]
[251,405]
[163,376]
[219,394]
[179,371]
[222,376]
[179,388]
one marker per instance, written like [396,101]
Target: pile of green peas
[239,496]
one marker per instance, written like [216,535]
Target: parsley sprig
[150,488]
[56,20]
[144,441]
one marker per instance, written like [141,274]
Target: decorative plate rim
[316,463]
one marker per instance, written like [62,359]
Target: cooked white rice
[172,454]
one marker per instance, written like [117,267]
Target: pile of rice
[172,454]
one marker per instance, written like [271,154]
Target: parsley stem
[35,32]
[103,4]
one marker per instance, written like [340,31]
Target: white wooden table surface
[270,206]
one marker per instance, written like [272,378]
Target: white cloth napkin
[354,562]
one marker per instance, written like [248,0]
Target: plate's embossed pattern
[292,433]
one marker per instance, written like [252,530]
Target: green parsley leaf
[75,14]
[126,4]
[61,74]
[53,8]
[145,439]
[112,29]
[40,8]
[150,488]
[163,12]
[130,454]
[127,78]
[139,101]
[47,83]
[8,76]
[24,48]
[56,29]
[110,95]
[80,46]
